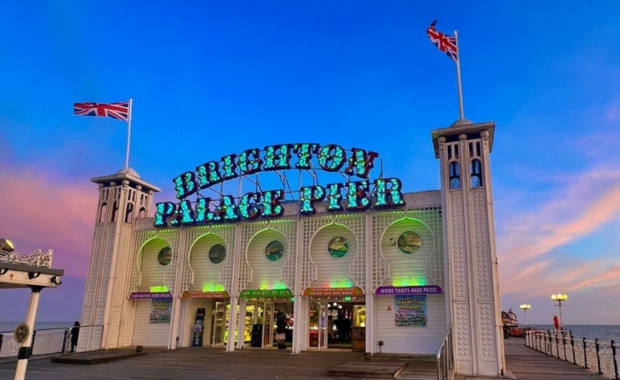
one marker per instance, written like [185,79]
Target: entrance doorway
[219,322]
[337,322]
[260,321]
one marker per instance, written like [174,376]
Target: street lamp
[525,307]
[559,298]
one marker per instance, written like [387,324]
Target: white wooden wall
[190,316]
[266,273]
[149,334]
[332,272]
[205,272]
[410,340]
[152,272]
[405,269]
[146,333]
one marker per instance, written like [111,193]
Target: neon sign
[350,196]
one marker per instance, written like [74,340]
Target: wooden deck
[256,364]
[528,364]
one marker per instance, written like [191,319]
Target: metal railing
[49,341]
[593,355]
[445,361]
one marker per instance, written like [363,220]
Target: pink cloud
[612,113]
[41,210]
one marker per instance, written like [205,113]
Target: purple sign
[408,290]
[149,295]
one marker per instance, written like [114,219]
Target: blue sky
[213,78]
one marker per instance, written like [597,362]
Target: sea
[590,332]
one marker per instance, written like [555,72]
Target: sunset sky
[219,77]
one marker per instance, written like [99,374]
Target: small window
[338,247]
[217,253]
[454,175]
[103,212]
[114,212]
[164,257]
[129,213]
[476,174]
[409,242]
[274,250]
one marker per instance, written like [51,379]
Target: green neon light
[159,289]
[361,163]
[304,153]
[185,184]
[211,287]
[347,298]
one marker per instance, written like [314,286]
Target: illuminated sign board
[352,195]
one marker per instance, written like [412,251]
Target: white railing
[445,361]
[593,355]
[47,341]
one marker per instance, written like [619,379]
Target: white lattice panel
[432,217]
[310,226]
[172,237]
[118,297]
[288,228]
[381,221]
[457,243]
[356,222]
[248,230]
[481,246]
[192,234]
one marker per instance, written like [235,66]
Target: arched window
[102,212]
[455,175]
[476,173]
[114,212]
[129,213]
[142,213]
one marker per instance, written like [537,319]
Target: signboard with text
[161,309]
[408,290]
[149,295]
[352,195]
[267,293]
[333,292]
[410,311]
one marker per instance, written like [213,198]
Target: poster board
[410,311]
[160,310]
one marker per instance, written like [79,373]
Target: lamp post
[525,307]
[559,298]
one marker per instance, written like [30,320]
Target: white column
[232,322]
[26,347]
[241,327]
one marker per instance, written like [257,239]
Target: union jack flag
[444,43]
[115,110]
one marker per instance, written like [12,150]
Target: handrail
[444,366]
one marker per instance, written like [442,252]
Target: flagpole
[458,75]
[129,134]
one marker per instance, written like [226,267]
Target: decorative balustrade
[38,258]
[594,355]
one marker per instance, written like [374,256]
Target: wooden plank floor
[256,364]
[527,364]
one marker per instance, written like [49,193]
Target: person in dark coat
[75,334]
[281,330]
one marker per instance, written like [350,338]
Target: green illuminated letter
[331,157]
[247,206]
[387,193]
[357,196]
[271,204]
[360,163]
[278,157]
[185,184]
[209,174]
[227,210]
[304,152]
[229,167]
[249,162]
[162,211]
[334,197]
[309,195]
